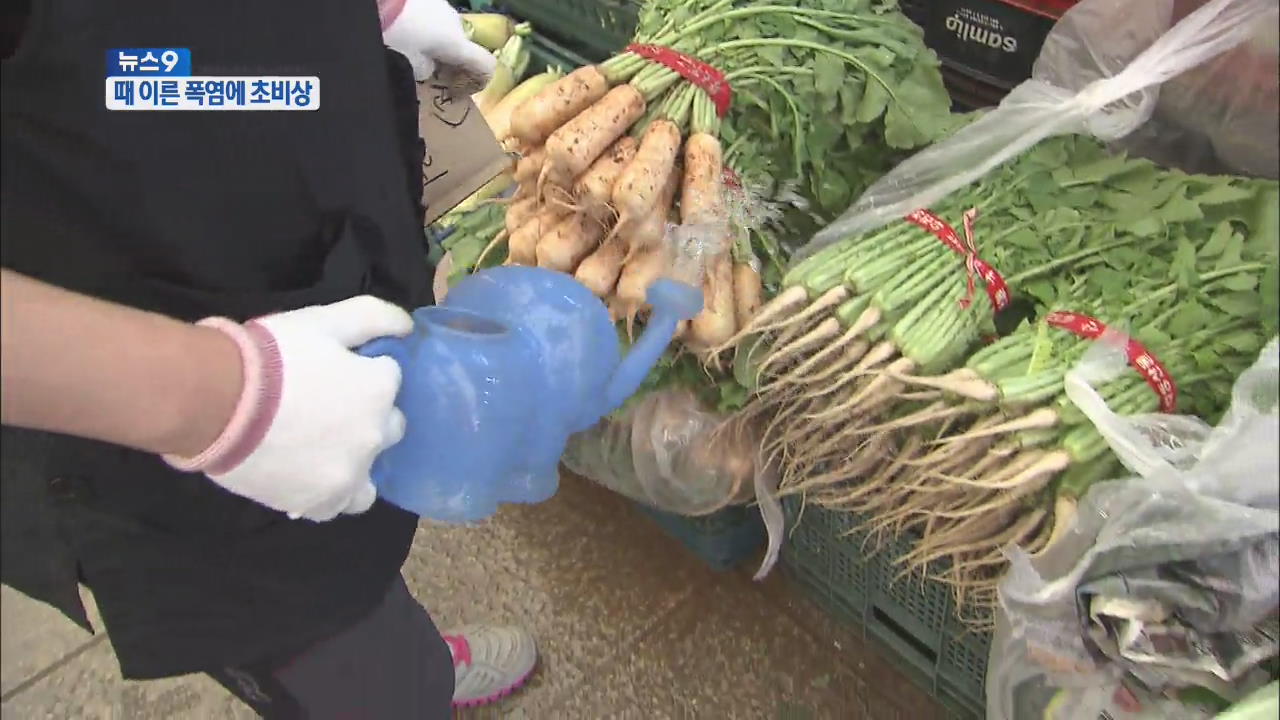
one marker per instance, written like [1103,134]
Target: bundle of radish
[489,30]
[806,104]
[877,402]
[513,60]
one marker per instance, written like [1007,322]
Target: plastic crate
[546,53]
[986,46]
[722,540]
[594,29]
[913,617]
[917,10]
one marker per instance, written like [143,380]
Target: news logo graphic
[161,79]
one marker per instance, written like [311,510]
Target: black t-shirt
[195,214]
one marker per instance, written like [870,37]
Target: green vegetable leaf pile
[1186,264]
[828,94]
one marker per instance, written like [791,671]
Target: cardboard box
[462,153]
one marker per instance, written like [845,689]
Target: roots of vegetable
[963,382]
[864,322]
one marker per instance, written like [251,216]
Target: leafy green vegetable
[827,96]
[471,234]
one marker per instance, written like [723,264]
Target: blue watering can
[496,379]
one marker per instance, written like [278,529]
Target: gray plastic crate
[722,540]
[913,616]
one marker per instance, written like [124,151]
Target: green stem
[806,45]
[849,310]
[653,112]
[667,34]
[927,304]
[757,69]
[923,340]
[731,152]
[1205,280]
[621,68]
[798,136]
[814,46]
[865,36]
[708,121]
[1065,260]
[772,250]
[697,25]
[1192,339]
[887,251]
[681,106]
[916,278]
[704,118]
[654,85]
[741,248]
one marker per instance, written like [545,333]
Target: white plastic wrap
[1220,117]
[668,452]
[692,247]
[1204,498]
[1237,461]
[1099,73]
[1262,704]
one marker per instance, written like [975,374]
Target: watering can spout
[673,302]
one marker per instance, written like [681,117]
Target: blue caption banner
[171,62]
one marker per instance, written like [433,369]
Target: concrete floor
[629,624]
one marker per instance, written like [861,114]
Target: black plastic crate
[546,53]
[594,29]
[917,10]
[986,46]
[545,50]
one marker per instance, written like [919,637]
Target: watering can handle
[394,348]
[388,346]
[673,302]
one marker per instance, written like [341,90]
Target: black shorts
[392,664]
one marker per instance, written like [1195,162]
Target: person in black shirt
[181,291]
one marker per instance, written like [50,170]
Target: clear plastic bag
[1222,116]
[666,451]
[1196,530]
[1099,73]
[1262,704]
[1237,461]
[692,247]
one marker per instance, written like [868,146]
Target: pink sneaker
[489,663]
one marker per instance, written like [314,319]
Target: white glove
[313,415]
[429,32]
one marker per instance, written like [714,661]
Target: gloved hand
[313,415]
[429,32]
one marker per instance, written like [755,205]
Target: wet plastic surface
[497,377]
